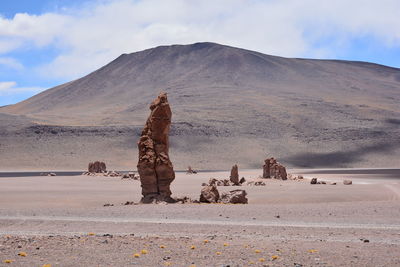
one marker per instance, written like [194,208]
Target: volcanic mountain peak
[242,102]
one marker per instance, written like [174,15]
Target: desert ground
[63,221]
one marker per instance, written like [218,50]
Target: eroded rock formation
[155,168]
[234,178]
[273,169]
[97,167]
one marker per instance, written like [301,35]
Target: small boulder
[242,180]
[347,182]
[234,197]
[209,194]
[97,167]
[313,181]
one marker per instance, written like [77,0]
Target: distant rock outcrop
[97,167]
[234,178]
[155,168]
[273,169]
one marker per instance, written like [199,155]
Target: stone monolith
[234,178]
[154,166]
[273,169]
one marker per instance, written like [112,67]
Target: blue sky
[44,43]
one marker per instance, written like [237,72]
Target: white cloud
[11,63]
[97,33]
[6,85]
[9,88]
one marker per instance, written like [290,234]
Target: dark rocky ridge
[230,105]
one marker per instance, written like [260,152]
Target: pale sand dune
[292,216]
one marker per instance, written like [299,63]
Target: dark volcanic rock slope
[233,105]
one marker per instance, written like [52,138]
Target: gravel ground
[62,221]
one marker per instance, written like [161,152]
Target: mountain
[229,105]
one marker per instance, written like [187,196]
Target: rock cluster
[256,183]
[273,169]
[237,196]
[223,182]
[315,181]
[210,194]
[130,175]
[155,168]
[97,167]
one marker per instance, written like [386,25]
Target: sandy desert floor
[62,221]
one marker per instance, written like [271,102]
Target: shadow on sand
[340,158]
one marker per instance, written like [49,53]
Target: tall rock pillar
[154,166]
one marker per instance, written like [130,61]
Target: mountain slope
[234,105]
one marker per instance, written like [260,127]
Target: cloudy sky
[44,43]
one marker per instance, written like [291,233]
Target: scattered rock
[237,196]
[129,203]
[209,194]
[108,205]
[51,174]
[347,182]
[313,181]
[155,168]
[185,200]
[190,170]
[259,183]
[273,169]
[333,183]
[242,180]
[97,167]
[212,181]
[234,178]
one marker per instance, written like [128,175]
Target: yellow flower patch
[8,261]
[274,257]
[144,251]
[261,259]
[136,255]
[22,254]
